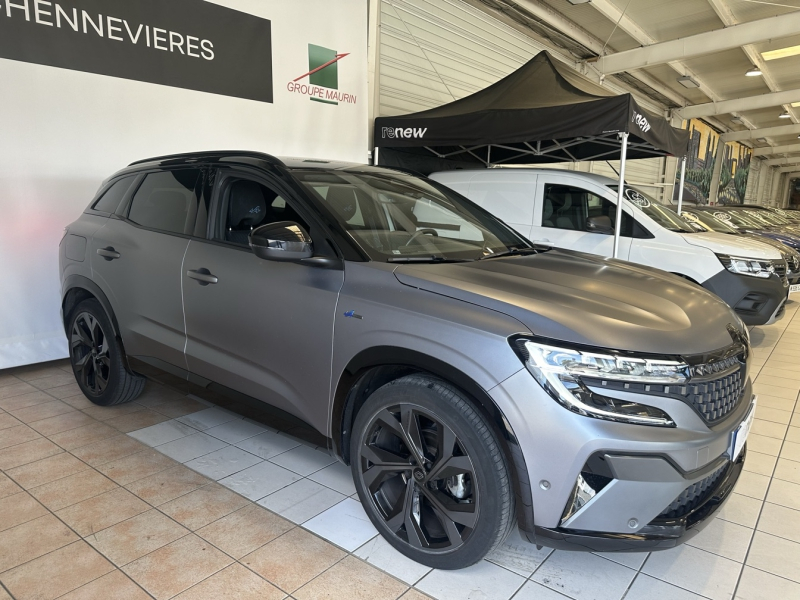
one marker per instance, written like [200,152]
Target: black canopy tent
[542,112]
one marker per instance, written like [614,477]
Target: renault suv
[473,381]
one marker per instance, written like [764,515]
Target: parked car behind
[577,211]
[706,221]
[471,379]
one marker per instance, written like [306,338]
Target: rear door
[137,258]
[263,328]
[508,195]
[564,204]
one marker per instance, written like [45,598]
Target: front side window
[166,201]
[570,207]
[246,204]
[109,201]
[394,216]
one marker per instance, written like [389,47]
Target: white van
[577,210]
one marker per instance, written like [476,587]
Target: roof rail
[191,156]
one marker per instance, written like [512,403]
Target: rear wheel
[430,473]
[97,357]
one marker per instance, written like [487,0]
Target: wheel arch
[78,288]
[374,367]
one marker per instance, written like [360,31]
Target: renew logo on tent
[323,77]
[400,132]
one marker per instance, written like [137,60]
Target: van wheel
[97,357]
[430,473]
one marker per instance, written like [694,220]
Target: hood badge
[352,314]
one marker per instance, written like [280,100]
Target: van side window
[166,201]
[569,207]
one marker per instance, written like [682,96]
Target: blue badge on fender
[352,313]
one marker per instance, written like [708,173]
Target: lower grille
[693,496]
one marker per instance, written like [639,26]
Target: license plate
[739,437]
[794,288]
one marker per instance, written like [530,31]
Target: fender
[374,367]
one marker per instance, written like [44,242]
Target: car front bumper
[652,468]
[757,301]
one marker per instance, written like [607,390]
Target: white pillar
[620,191]
[680,189]
[719,158]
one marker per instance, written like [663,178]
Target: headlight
[560,371]
[753,267]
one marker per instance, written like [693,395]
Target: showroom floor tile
[173,497]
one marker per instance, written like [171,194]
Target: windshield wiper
[426,259]
[517,252]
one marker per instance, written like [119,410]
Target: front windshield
[767,217]
[397,217]
[710,222]
[662,215]
[738,219]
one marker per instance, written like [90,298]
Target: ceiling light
[737,121]
[795,104]
[688,82]
[579,1]
[754,72]
[782,53]
[784,115]
[762,140]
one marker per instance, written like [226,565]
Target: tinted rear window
[165,200]
[109,202]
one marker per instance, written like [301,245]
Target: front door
[263,328]
[564,206]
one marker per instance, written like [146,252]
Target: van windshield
[397,217]
[668,219]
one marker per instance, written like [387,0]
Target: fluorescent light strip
[782,53]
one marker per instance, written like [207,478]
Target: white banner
[64,131]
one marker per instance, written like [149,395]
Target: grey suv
[472,380]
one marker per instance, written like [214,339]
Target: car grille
[693,496]
[714,389]
[781,271]
[715,399]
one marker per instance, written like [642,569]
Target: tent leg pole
[680,189]
[620,191]
[375,157]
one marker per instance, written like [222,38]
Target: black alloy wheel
[97,358]
[420,478]
[430,472]
[90,353]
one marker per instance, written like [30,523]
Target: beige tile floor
[171,497]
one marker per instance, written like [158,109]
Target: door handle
[203,276]
[108,253]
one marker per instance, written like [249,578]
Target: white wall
[64,131]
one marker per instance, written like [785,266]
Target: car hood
[722,243]
[586,299]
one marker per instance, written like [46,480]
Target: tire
[97,357]
[449,502]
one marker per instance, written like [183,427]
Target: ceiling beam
[775,162]
[776,150]
[725,14]
[794,169]
[752,134]
[703,43]
[724,107]
[633,29]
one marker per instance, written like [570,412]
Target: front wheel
[430,473]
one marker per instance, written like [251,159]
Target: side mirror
[601,224]
[284,240]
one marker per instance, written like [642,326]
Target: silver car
[473,381]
